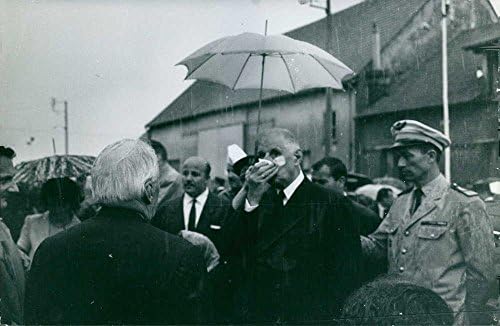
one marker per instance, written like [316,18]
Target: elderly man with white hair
[116,268]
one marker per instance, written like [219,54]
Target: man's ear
[299,156]
[148,192]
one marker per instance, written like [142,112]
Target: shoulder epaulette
[406,191]
[466,192]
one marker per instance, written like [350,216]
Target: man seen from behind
[116,268]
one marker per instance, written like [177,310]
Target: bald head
[196,174]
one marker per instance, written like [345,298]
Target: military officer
[436,235]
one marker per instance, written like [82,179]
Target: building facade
[412,89]
[394,48]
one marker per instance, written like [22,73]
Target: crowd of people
[150,245]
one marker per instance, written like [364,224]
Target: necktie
[385,212]
[282,197]
[417,199]
[192,217]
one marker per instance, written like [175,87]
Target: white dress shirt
[188,202]
[381,210]
[288,191]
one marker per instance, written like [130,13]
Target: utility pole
[328,121]
[328,90]
[53,103]
[446,118]
[66,140]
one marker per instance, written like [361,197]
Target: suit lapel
[293,213]
[176,220]
[204,222]
[429,204]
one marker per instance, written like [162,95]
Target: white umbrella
[371,190]
[255,61]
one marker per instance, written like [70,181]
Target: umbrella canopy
[290,65]
[38,171]
[371,190]
[488,186]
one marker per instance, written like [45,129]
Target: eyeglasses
[273,153]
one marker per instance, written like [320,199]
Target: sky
[113,61]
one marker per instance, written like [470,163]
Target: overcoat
[170,218]
[115,268]
[303,259]
[223,279]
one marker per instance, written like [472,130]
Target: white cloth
[288,191]
[188,202]
[208,248]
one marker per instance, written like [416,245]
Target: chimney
[473,15]
[377,62]
[378,79]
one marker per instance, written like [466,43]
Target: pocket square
[214,227]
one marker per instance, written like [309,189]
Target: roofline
[406,75]
[372,114]
[473,46]
[174,100]
[324,18]
[395,35]
[238,106]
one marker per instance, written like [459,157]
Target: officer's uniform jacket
[446,245]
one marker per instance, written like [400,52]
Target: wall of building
[474,151]
[303,115]
[421,38]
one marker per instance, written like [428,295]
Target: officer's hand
[258,176]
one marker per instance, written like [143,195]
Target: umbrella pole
[261,86]
[260,93]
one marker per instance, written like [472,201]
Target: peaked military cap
[412,132]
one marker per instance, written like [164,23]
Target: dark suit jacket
[170,218]
[368,220]
[114,268]
[222,280]
[303,262]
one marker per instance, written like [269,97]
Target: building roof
[422,87]
[483,36]
[351,43]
